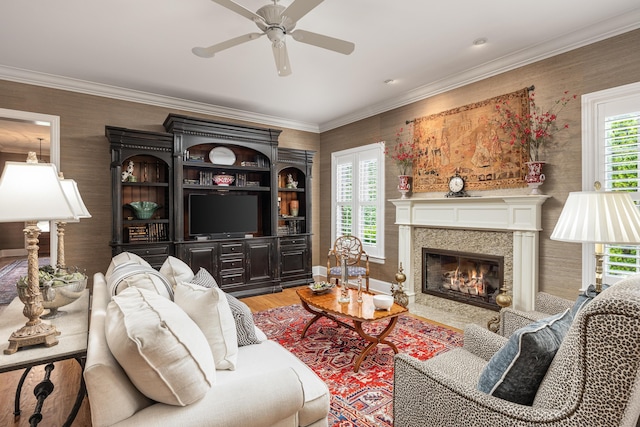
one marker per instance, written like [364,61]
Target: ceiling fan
[276,22]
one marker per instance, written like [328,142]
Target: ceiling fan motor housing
[272,15]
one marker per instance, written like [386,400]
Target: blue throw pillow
[585,298]
[515,372]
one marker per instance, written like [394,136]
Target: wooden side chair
[357,259]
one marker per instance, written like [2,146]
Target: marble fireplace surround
[507,226]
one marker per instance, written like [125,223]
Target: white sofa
[269,387]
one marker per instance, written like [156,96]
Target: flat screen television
[229,215]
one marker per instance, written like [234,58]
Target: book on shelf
[148,233]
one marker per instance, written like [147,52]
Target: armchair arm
[481,341]
[552,304]
[546,305]
[511,320]
[425,396]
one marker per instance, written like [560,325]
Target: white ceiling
[141,49]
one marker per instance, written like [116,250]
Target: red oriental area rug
[362,399]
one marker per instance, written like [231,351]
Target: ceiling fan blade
[325,42]
[209,52]
[240,10]
[282,60]
[300,8]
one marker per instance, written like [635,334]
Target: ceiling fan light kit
[276,22]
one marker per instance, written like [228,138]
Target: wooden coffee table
[327,305]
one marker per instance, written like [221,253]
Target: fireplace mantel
[520,215]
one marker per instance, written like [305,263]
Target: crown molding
[97,89]
[574,40]
[585,36]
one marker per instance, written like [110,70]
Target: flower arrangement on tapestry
[534,129]
[405,151]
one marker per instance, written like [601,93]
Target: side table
[72,344]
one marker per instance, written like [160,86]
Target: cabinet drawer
[231,248]
[293,241]
[231,263]
[232,278]
[144,251]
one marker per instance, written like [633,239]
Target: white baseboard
[6,253]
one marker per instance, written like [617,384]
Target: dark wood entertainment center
[168,168]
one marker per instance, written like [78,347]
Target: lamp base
[28,335]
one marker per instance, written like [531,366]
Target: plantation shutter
[621,161]
[368,194]
[344,199]
[358,196]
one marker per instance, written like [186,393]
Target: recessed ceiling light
[389,81]
[480,41]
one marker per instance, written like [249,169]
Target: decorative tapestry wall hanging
[468,140]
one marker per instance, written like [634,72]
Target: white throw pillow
[245,327]
[176,271]
[163,352]
[210,310]
[124,258]
[131,274]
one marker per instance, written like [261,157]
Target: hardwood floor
[66,378]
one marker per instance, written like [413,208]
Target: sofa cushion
[130,274]
[515,371]
[245,327]
[124,258]
[176,271]
[163,352]
[209,309]
[256,360]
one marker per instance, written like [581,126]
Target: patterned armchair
[593,380]
[357,259]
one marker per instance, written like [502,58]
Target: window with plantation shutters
[611,147]
[621,157]
[357,205]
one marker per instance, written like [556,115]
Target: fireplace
[434,222]
[462,276]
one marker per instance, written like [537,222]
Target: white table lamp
[600,217]
[32,192]
[70,188]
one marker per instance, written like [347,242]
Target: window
[357,197]
[611,147]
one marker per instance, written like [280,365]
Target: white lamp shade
[70,188]
[598,217]
[32,192]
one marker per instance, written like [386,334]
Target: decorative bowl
[383,302]
[57,289]
[144,210]
[320,287]
[223,179]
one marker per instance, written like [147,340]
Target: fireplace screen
[464,277]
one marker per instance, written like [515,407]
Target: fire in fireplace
[462,276]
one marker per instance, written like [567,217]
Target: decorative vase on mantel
[535,177]
[403,185]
